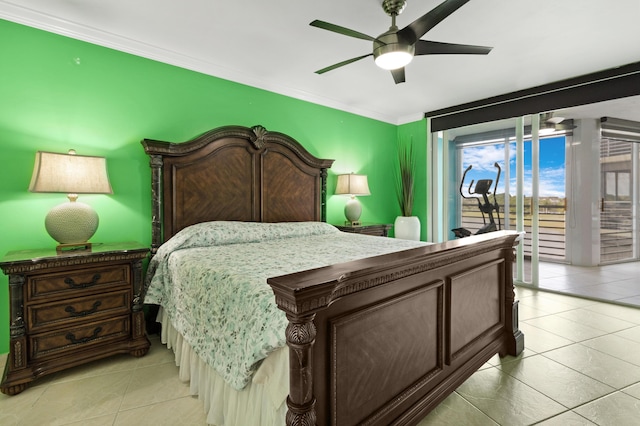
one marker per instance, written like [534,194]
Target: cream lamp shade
[73,223]
[353,185]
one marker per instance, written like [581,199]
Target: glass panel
[624,186]
[617,236]
[552,198]
[480,187]
[482,193]
[482,158]
[610,185]
[481,171]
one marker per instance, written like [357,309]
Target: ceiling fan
[395,48]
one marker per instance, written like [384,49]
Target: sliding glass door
[619,200]
[504,176]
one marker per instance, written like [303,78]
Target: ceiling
[270,45]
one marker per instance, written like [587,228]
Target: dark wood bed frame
[377,341]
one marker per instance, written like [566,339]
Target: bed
[379,337]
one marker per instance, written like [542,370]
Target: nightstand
[71,308]
[376,229]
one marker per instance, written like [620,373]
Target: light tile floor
[619,283]
[580,366]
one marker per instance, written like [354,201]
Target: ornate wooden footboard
[383,340]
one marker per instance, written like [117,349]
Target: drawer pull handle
[71,283]
[72,337]
[73,313]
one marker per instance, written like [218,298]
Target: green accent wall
[58,93]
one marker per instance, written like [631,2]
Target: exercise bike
[483,189]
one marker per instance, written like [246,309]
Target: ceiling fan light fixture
[393,60]
[555,120]
[393,56]
[546,130]
[551,123]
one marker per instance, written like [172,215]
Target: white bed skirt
[262,402]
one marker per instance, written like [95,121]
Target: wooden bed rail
[448,306]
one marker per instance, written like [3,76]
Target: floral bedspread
[211,280]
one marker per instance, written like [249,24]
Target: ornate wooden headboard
[234,173]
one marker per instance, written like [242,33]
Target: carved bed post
[155,161]
[301,302]
[301,335]
[515,345]
[323,200]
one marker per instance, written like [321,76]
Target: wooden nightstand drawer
[76,282]
[77,338]
[68,312]
[375,229]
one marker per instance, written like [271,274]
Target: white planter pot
[407,228]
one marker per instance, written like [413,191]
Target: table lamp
[70,224]
[352,185]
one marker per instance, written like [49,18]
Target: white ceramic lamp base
[71,223]
[353,210]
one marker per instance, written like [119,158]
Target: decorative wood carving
[138,298]
[301,334]
[156,163]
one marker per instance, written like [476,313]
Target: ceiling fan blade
[415,30]
[340,30]
[340,64]
[398,75]
[424,47]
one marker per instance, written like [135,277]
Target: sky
[552,166]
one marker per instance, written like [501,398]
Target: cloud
[482,158]
[551,182]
